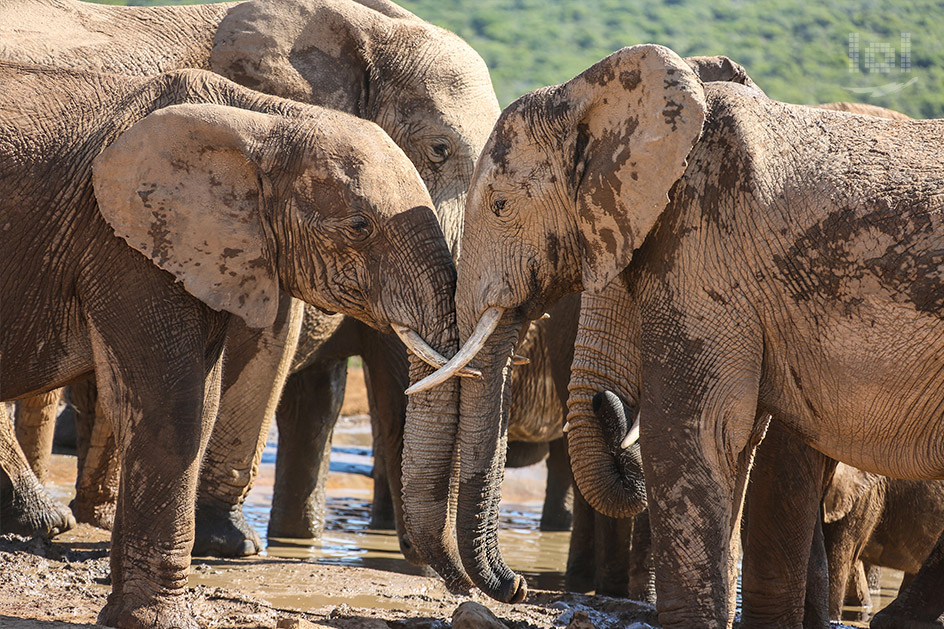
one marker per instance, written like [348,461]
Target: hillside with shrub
[885,53]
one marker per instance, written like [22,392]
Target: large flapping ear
[180,187]
[848,485]
[638,114]
[312,51]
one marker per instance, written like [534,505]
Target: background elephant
[235,177]
[423,85]
[636,170]
[877,521]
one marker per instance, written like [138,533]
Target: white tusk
[415,343]
[546,315]
[567,427]
[483,329]
[520,360]
[632,436]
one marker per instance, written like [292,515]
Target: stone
[471,615]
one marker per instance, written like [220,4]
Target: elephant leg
[920,605]
[382,516]
[816,604]
[857,589]
[257,366]
[698,433]
[161,399]
[25,507]
[306,416]
[642,576]
[96,483]
[782,512]
[873,577]
[612,543]
[581,558]
[558,512]
[386,370]
[35,425]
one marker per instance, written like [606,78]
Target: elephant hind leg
[920,605]
[25,507]
[96,484]
[35,425]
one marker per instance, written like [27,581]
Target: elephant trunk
[609,476]
[429,433]
[483,436]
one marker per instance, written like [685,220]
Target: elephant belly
[865,389]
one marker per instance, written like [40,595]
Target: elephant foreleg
[642,578]
[558,512]
[25,507]
[96,483]
[782,512]
[35,425]
[306,417]
[257,365]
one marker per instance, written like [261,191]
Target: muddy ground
[353,577]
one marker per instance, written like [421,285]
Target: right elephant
[776,260]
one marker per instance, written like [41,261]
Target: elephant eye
[358,228]
[438,152]
[498,206]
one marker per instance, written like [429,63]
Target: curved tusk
[520,360]
[483,329]
[632,436]
[546,315]
[415,343]
[567,427]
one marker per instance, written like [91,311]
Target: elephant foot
[94,512]
[28,510]
[224,533]
[163,612]
[894,618]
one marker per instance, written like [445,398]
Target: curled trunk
[605,359]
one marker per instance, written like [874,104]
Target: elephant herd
[210,208]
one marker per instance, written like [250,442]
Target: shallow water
[347,540]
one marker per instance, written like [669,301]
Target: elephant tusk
[415,343]
[483,329]
[546,315]
[567,427]
[632,436]
[520,360]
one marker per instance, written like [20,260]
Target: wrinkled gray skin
[243,195]
[423,85]
[877,521]
[774,267]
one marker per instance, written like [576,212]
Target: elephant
[762,248]
[877,521]
[180,202]
[422,84]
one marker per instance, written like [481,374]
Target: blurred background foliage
[797,51]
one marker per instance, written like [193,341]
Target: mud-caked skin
[158,244]
[777,260]
[422,84]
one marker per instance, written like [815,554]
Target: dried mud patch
[63,583]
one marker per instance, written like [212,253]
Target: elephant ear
[638,114]
[312,51]
[848,485]
[181,188]
[720,68]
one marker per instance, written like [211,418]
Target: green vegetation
[797,51]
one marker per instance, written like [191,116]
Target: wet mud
[352,577]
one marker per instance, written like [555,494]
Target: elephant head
[425,86]
[238,204]
[570,182]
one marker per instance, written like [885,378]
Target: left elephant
[146,213]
